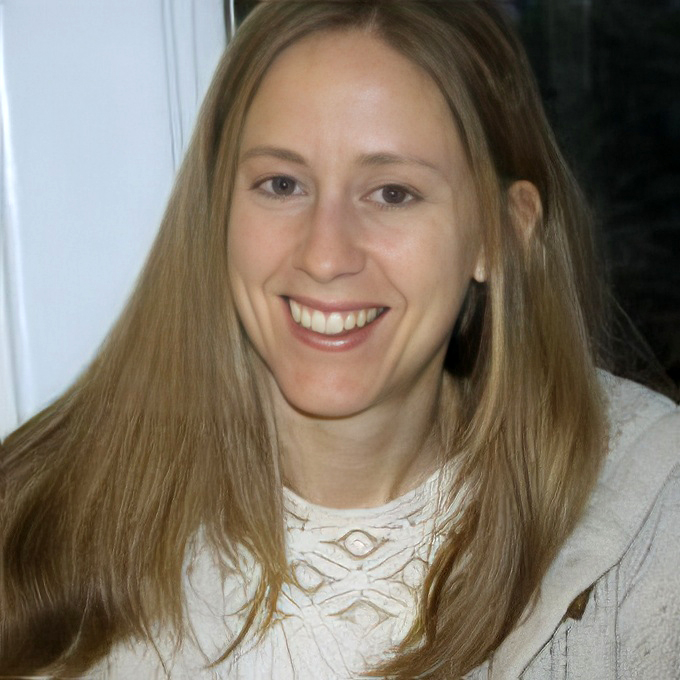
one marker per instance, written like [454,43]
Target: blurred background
[97,104]
[609,72]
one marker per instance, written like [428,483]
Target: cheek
[442,259]
[239,241]
[438,271]
[246,272]
[249,254]
[245,280]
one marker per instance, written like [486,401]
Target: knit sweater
[609,606]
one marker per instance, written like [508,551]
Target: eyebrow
[378,159]
[365,160]
[275,152]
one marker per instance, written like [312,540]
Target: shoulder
[216,594]
[626,548]
[633,410]
[622,556]
[644,452]
[648,590]
[637,497]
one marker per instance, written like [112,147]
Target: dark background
[609,73]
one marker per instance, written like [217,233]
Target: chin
[326,402]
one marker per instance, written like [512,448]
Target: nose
[329,246]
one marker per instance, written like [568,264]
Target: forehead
[351,80]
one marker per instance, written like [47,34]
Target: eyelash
[258,186]
[411,194]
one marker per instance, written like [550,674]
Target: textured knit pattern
[609,607]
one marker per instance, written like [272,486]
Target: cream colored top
[357,575]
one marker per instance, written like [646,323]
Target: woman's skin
[353,193]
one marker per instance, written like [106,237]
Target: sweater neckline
[428,493]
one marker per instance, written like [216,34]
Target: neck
[360,461]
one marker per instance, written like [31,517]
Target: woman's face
[354,229]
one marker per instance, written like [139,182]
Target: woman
[267,471]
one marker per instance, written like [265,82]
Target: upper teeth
[333,323]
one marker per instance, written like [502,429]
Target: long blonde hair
[103,491]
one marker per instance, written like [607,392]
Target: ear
[525,206]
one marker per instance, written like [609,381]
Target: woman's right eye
[280,186]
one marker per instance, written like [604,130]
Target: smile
[332,323]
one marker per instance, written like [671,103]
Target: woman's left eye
[393,195]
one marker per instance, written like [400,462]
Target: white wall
[97,102]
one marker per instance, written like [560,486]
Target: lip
[330,307]
[332,343]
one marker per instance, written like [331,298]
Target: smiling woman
[269,472]
[353,196]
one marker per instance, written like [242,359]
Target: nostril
[330,246]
